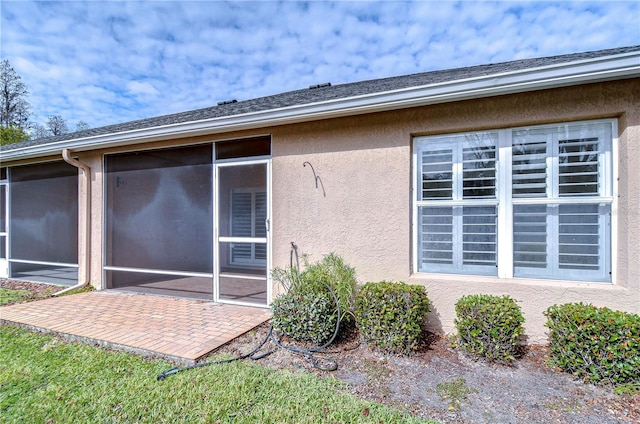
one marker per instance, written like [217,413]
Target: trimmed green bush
[489,327]
[390,315]
[308,310]
[305,315]
[597,344]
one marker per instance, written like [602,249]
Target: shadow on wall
[433,322]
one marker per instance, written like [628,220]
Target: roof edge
[605,68]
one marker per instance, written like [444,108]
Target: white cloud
[108,62]
[137,88]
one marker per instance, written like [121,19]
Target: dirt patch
[528,392]
[440,382]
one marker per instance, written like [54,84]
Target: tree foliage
[57,125]
[15,111]
[81,126]
[15,108]
[12,134]
[39,131]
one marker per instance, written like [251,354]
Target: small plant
[390,315]
[455,391]
[489,327]
[598,344]
[629,389]
[378,372]
[307,311]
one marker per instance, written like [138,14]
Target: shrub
[390,315]
[489,327]
[308,310]
[305,315]
[596,344]
[333,271]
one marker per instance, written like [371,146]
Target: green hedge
[489,327]
[390,315]
[597,344]
[305,315]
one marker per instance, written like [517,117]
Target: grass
[19,296]
[455,391]
[45,379]
[9,295]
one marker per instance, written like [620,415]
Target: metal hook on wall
[315,176]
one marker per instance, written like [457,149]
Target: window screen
[44,213]
[159,210]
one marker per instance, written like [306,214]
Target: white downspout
[66,155]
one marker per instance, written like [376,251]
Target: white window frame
[457,201]
[4,232]
[607,195]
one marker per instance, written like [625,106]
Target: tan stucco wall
[364,211]
[365,166]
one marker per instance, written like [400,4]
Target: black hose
[294,251]
[308,353]
[252,355]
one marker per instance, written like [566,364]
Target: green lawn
[19,296]
[44,379]
[9,295]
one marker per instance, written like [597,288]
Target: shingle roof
[341,91]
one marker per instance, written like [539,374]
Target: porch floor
[179,329]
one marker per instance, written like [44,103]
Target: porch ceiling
[179,329]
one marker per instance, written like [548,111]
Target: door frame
[4,232]
[217,240]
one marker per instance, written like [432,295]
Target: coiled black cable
[298,350]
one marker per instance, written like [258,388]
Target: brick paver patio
[178,329]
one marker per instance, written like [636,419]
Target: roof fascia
[586,71]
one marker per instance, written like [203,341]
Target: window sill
[483,279]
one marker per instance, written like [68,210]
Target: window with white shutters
[554,199]
[562,201]
[457,204]
[248,216]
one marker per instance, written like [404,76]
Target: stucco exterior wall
[364,164]
[362,205]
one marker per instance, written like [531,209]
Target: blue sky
[105,62]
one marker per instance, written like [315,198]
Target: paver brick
[181,328]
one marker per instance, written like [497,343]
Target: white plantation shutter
[578,167]
[478,171]
[579,237]
[241,225]
[436,236]
[552,204]
[530,236]
[479,236]
[558,235]
[437,173]
[457,213]
[241,210]
[248,216]
[259,225]
[529,166]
